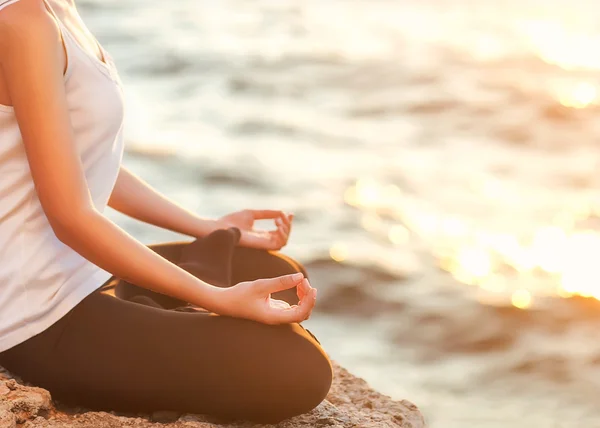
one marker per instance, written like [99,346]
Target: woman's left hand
[261,239]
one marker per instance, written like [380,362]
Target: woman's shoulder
[25,22]
[11,10]
[18,15]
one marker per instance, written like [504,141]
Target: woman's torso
[41,278]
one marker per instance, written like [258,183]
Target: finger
[264,240]
[281,224]
[276,241]
[313,297]
[279,283]
[252,240]
[291,219]
[286,219]
[302,289]
[309,295]
[297,313]
[281,233]
[265,214]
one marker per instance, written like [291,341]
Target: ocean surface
[442,161]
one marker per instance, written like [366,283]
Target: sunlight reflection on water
[564,256]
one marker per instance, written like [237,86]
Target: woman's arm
[32,62]
[135,198]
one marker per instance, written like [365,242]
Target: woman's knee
[315,376]
[305,382]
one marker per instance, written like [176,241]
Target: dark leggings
[125,348]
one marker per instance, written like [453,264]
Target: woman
[93,315]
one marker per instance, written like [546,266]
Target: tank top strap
[63,31]
[54,15]
[105,64]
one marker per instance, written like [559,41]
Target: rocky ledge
[350,403]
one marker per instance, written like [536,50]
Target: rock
[4,390]
[165,416]
[7,418]
[24,402]
[350,403]
[356,400]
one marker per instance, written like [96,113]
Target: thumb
[280,283]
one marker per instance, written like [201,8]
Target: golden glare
[399,235]
[425,223]
[502,243]
[478,257]
[370,222]
[392,192]
[493,283]
[580,95]
[350,196]
[454,227]
[582,211]
[561,292]
[557,44]
[490,260]
[368,192]
[338,252]
[491,188]
[522,259]
[564,220]
[464,277]
[473,262]
[581,274]
[547,248]
[521,299]
[488,47]
[447,263]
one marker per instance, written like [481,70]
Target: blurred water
[441,158]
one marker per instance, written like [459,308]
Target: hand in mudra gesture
[252,300]
[261,239]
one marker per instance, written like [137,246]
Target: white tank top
[41,279]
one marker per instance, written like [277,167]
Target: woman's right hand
[252,300]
